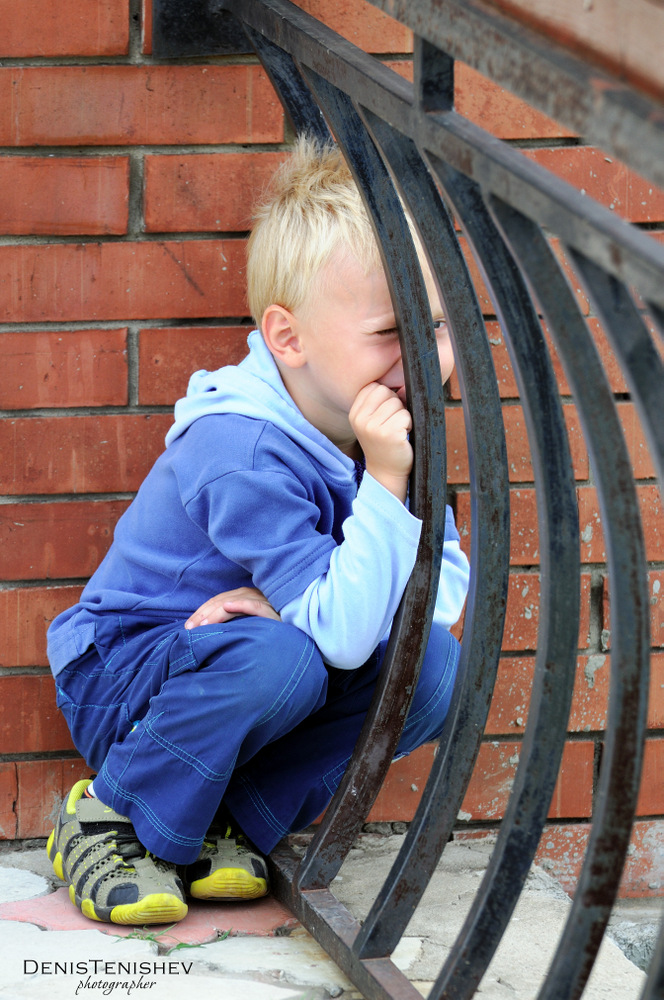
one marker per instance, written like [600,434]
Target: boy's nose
[394,378]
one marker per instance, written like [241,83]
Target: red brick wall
[125,193]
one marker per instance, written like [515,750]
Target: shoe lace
[233,833]
[127,845]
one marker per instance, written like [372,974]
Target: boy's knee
[273,661]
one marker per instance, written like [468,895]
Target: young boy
[283,491]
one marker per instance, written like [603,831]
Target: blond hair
[312,208]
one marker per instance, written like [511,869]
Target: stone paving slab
[205,922]
[258,951]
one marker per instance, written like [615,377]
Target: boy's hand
[229,604]
[381,424]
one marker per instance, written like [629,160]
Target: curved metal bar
[437,812]
[621,764]
[405,652]
[559,616]
[303,112]
[632,344]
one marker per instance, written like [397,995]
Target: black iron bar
[437,812]
[407,645]
[555,664]
[336,929]
[640,361]
[621,763]
[301,109]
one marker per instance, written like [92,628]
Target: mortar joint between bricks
[135,218]
[135,15]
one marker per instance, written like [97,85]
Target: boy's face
[347,334]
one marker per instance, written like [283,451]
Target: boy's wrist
[397,485]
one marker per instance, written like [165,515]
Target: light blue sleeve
[347,610]
[454,577]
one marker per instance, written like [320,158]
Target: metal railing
[406,141]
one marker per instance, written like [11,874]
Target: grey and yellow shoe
[111,876]
[226,868]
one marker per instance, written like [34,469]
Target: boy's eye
[438,324]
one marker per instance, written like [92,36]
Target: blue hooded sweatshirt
[249,493]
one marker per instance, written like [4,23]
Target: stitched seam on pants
[182,755]
[332,777]
[291,685]
[151,816]
[262,808]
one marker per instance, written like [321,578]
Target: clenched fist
[381,424]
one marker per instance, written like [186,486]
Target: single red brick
[651,794]
[563,846]
[590,700]
[592,538]
[507,386]
[486,104]
[99,454]
[561,852]
[168,357]
[573,794]
[29,719]
[458,469]
[477,279]
[490,787]
[656,693]
[609,361]
[511,696]
[656,586]
[146,26]
[135,105]
[41,541]
[644,866]
[636,442]
[655,589]
[25,614]
[505,376]
[522,620]
[518,445]
[604,179]
[64,195]
[64,28]
[42,785]
[43,368]
[524,534]
[119,281]
[8,800]
[364,26]
[189,193]
[402,789]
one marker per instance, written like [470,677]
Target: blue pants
[174,720]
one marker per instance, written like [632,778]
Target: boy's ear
[279,329]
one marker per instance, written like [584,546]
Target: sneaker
[111,876]
[227,868]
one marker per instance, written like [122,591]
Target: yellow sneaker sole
[229,883]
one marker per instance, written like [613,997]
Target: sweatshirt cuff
[378,500]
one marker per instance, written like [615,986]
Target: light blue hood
[254,388]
